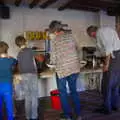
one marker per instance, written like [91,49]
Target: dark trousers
[61,84]
[110,89]
[111,83]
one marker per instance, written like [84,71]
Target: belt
[113,54]
[116,51]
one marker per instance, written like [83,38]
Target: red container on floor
[55,99]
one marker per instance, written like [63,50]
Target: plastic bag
[18,87]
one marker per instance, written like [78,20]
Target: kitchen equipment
[82,63]
[89,56]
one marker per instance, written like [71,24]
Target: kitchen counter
[96,70]
[88,79]
[47,80]
[49,73]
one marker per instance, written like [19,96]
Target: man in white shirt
[109,44]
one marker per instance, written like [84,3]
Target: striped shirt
[64,55]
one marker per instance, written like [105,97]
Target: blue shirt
[6,67]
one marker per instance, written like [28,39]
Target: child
[28,70]
[6,66]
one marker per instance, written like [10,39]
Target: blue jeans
[111,83]
[61,84]
[30,85]
[6,95]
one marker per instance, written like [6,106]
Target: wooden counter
[97,70]
[49,73]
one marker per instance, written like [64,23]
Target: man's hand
[106,63]
[50,65]
[105,68]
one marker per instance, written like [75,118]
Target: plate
[51,66]
[82,63]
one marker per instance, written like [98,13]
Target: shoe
[62,117]
[102,111]
[115,109]
[66,119]
[34,119]
[79,118]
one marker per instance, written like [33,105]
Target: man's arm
[106,63]
[106,42]
[52,53]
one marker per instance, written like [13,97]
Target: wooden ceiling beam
[33,3]
[86,8]
[114,11]
[98,3]
[47,3]
[17,2]
[92,3]
[2,2]
[64,6]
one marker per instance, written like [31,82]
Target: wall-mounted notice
[36,35]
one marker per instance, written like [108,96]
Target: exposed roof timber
[92,3]
[64,5]
[17,2]
[47,3]
[86,8]
[2,2]
[117,1]
[114,11]
[33,3]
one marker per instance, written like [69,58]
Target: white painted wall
[105,20]
[37,19]
[24,19]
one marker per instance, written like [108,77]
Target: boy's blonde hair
[3,47]
[20,41]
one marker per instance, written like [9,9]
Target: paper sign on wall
[36,35]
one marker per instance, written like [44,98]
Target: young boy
[28,70]
[6,67]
